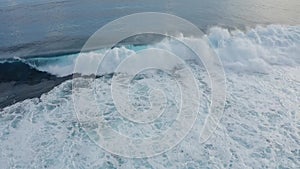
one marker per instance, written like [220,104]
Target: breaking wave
[261,115]
[252,51]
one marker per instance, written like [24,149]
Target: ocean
[258,43]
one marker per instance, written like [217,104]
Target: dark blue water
[43,27]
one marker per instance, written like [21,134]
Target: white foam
[260,127]
[257,50]
[253,51]
[64,65]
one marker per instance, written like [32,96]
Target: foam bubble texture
[260,127]
[257,50]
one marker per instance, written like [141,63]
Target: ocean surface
[257,41]
[42,27]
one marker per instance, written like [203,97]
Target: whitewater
[260,127]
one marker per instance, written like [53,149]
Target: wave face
[253,51]
[261,114]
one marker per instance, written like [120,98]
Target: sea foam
[253,51]
[260,127]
